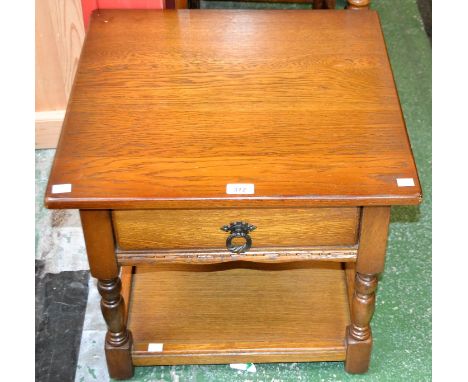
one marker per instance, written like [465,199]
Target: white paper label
[405,182]
[240,189]
[155,348]
[250,367]
[61,188]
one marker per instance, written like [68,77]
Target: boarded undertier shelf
[239,312]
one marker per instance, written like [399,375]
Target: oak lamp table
[234,172]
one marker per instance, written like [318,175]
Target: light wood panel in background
[59,38]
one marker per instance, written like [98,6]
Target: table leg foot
[358,354]
[119,359]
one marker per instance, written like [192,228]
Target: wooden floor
[239,313]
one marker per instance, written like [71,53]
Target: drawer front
[201,229]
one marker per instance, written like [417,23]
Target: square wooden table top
[168,107]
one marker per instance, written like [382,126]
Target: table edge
[232,202]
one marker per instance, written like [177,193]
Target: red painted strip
[90,5]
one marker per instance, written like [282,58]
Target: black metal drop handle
[238,229]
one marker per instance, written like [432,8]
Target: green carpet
[402,321]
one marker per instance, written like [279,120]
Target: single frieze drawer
[202,229]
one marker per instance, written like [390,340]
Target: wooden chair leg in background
[194,4]
[358,4]
[176,4]
[324,4]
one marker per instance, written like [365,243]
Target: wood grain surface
[170,106]
[190,229]
[240,312]
[59,38]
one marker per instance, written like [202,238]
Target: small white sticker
[240,189]
[155,348]
[405,182]
[61,188]
[250,367]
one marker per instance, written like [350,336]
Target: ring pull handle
[238,230]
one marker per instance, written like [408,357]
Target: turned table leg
[99,239]
[118,338]
[358,4]
[359,336]
[370,262]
